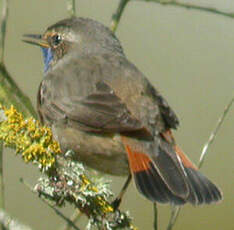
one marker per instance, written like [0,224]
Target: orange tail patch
[185,160]
[167,135]
[138,161]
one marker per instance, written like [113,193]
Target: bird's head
[74,37]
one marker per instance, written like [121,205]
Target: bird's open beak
[35,39]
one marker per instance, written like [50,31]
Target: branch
[191,6]
[65,180]
[74,218]
[69,222]
[2,197]
[175,209]
[214,133]
[117,15]
[71,7]
[2,46]
[174,215]
[10,93]
[11,223]
[155,216]
[3,28]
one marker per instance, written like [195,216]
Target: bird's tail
[168,176]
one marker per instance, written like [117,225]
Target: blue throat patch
[47,57]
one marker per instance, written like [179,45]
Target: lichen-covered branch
[28,138]
[64,180]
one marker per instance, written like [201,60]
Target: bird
[101,106]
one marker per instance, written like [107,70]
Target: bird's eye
[56,39]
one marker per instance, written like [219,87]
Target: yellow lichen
[34,142]
[106,207]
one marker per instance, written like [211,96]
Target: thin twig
[71,7]
[15,94]
[3,28]
[2,46]
[11,223]
[155,216]
[74,218]
[192,6]
[214,133]
[117,15]
[70,223]
[175,210]
[2,198]
[114,24]
[174,214]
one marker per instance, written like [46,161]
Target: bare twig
[117,15]
[70,223]
[60,214]
[2,198]
[14,95]
[175,210]
[11,223]
[2,46]
[114,24]
[74,218]
[192,6]
[71,7]
[155,216]
[8,87]
[1,177]
[214,133]
[3,28]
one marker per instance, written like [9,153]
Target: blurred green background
[188,55]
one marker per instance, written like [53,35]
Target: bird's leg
[118,199]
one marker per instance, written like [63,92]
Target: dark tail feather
[150,184]
[202,190]
[170,177]
[148,180]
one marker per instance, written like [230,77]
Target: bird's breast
[104,152]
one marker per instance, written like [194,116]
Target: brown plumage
[102,107]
